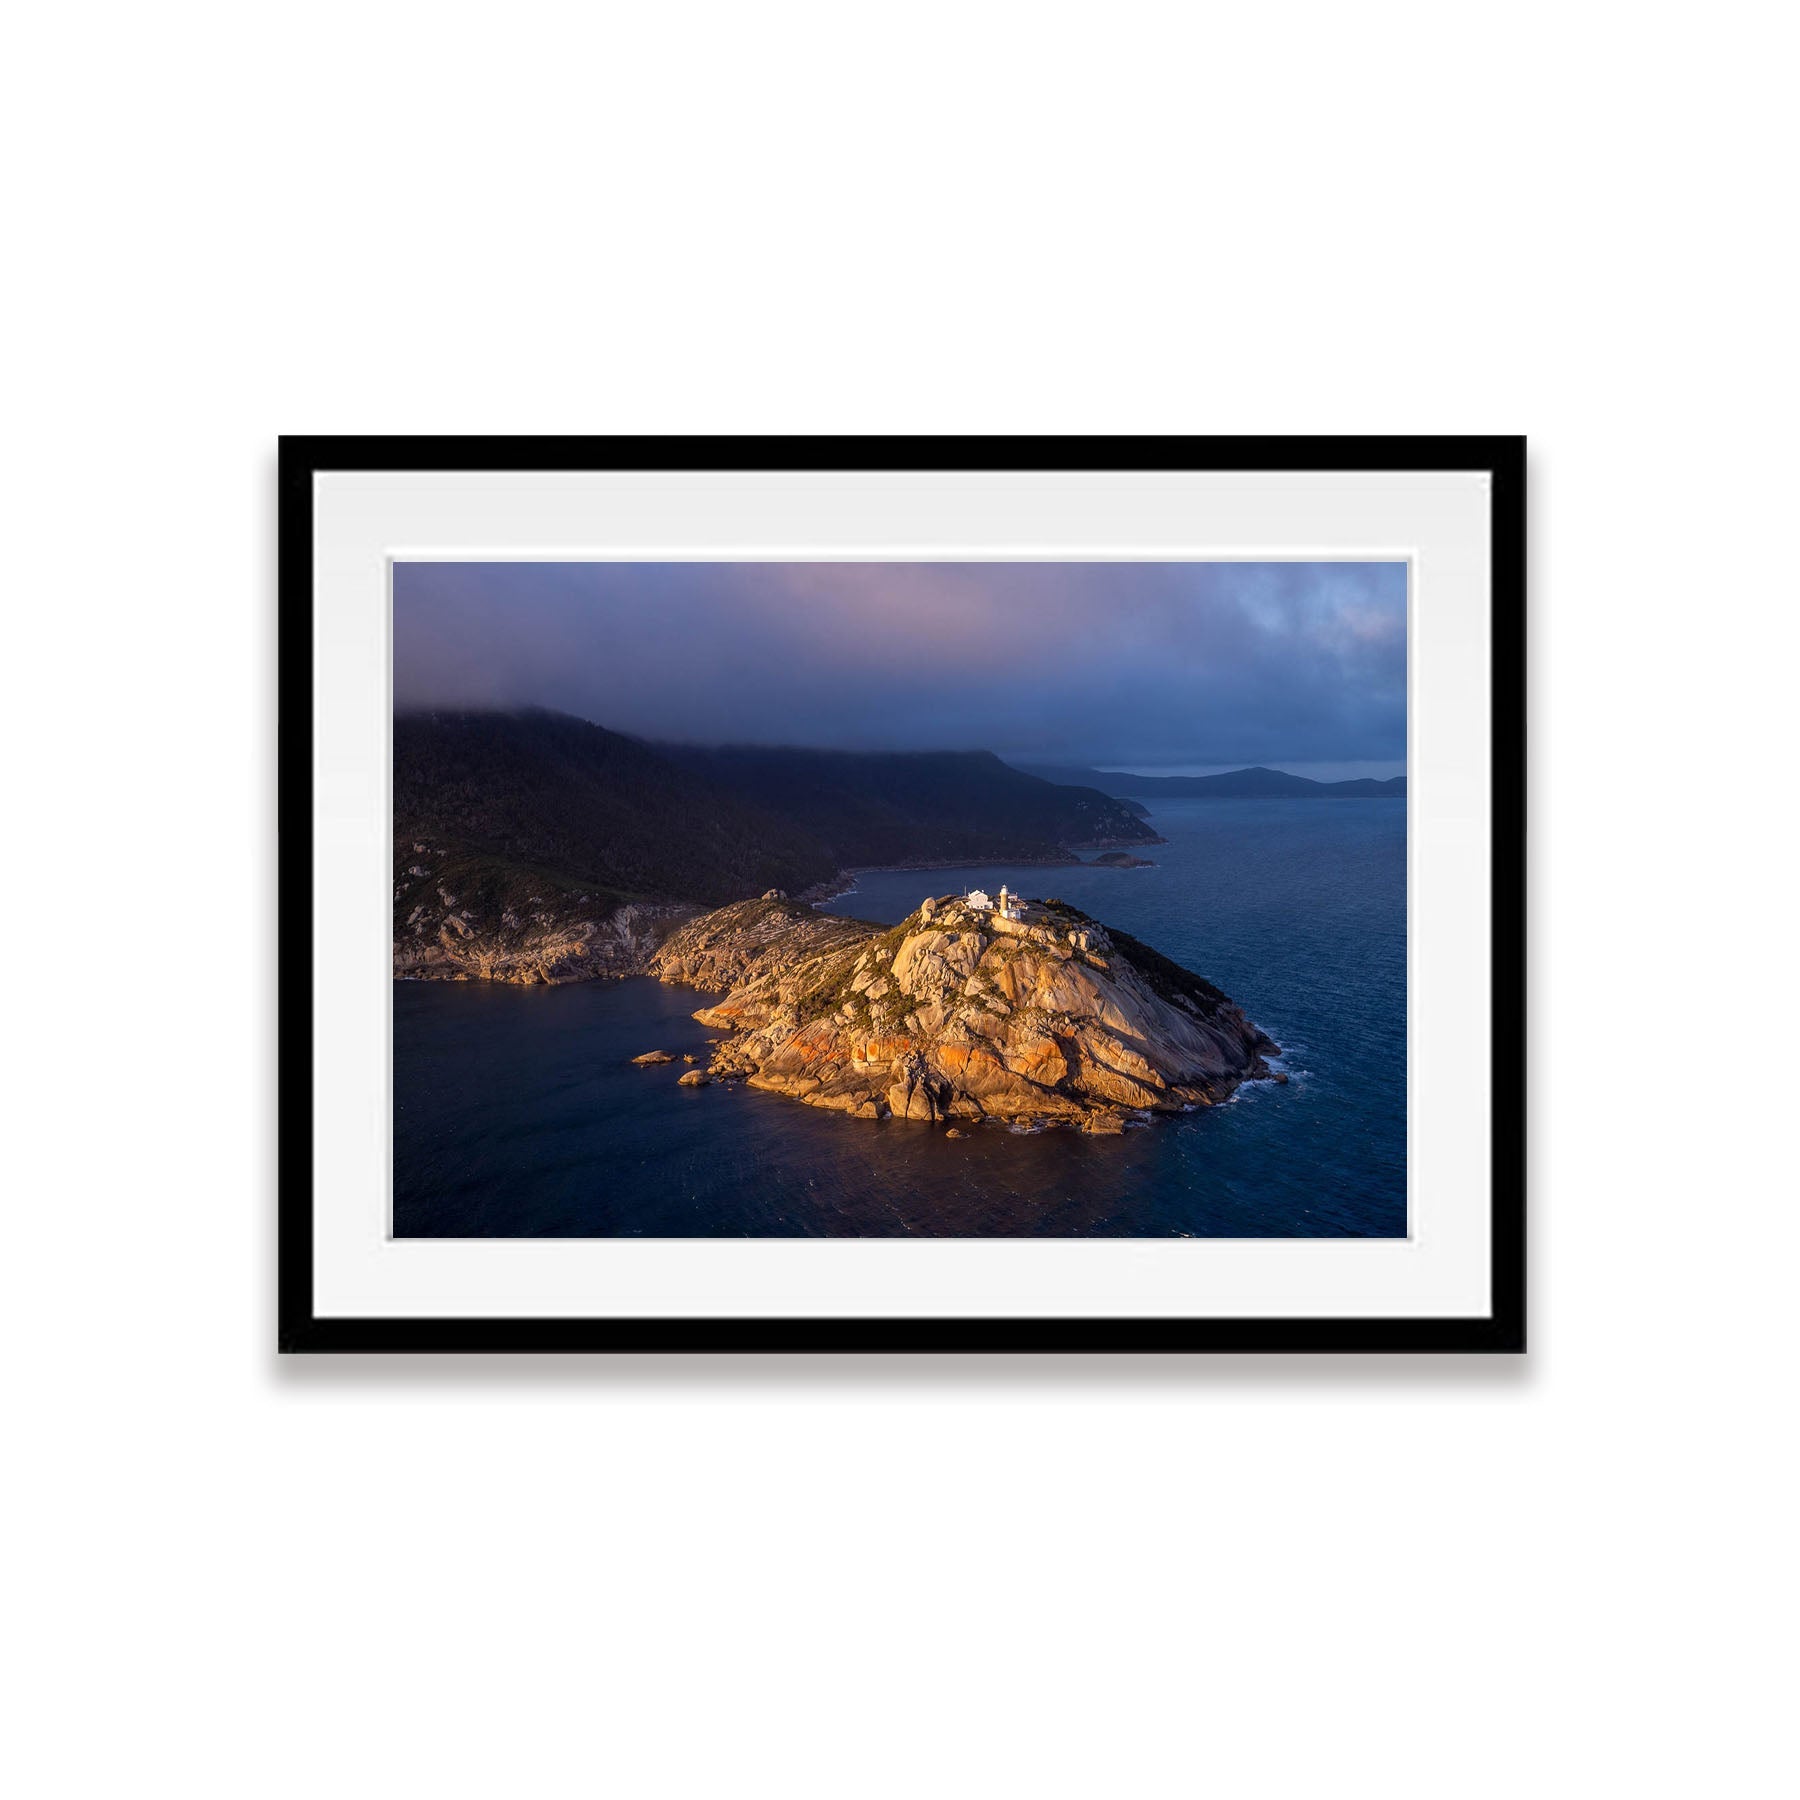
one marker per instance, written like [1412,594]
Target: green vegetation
[891,939]
[828,985]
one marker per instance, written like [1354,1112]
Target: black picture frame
[301,1329]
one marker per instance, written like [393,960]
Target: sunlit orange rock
[957,1013]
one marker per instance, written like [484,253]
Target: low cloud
[1124,664]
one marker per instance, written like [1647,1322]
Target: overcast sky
[1146,666]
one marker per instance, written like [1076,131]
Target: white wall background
[1565,1576]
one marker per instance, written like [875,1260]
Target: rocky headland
[957,1015]
[451,925]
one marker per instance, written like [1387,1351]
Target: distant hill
[916,807]
[1236,784]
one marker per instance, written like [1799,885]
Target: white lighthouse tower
[1008,906]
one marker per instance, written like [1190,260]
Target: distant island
[1025,1013]
[1235,784]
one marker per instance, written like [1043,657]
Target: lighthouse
[1008,906]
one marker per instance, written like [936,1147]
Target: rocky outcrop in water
[960,1015]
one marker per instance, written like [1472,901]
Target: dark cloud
[1125,664]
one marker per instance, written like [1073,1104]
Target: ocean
[517,1112]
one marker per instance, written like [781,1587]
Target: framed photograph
[845,894]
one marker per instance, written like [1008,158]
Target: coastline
[527,969]
[531,1093]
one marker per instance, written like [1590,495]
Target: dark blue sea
[517,1112]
